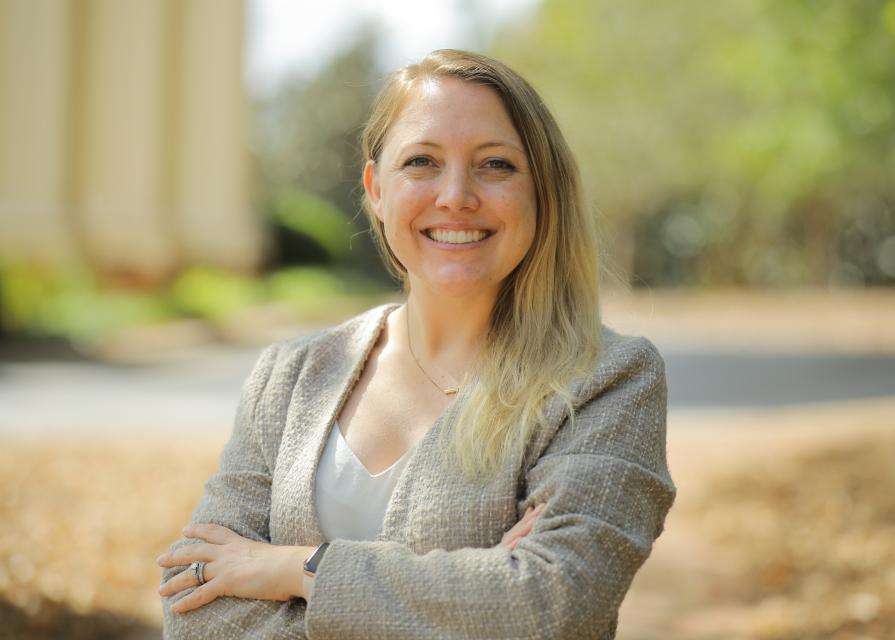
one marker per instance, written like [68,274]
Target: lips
[457,236]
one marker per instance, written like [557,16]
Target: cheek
[525,214]
[403,203]
[516,201]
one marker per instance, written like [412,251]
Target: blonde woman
[486,460]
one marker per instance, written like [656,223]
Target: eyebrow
[484,145]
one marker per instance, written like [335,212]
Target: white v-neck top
[351,502]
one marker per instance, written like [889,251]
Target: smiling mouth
[466,236]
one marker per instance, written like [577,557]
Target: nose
[456,191]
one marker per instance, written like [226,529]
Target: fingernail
[159,559]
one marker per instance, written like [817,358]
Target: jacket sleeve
[237,497]
[606,484]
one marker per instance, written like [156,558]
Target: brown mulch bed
[80,527]
[813,538]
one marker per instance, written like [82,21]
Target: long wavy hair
[545,326]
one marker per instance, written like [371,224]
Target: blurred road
[754,379]
[195,391]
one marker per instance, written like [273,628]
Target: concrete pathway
[196,390]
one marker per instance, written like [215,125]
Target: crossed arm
[605,504]
[237,497]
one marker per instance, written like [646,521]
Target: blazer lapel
[426,458]
[331,368]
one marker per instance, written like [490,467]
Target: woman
[484,461]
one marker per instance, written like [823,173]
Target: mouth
[455,236]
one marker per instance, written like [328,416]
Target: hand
[235,566]
[522,528]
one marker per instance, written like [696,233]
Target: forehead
[449,110]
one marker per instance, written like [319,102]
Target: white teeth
[456,237]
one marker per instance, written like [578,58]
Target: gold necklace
[450,391]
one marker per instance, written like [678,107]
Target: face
[453,189]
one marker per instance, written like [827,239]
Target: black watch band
[313,560]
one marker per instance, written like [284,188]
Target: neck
[446,333]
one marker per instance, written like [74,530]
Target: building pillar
[214,209]
[34,88]
[123,135]
[123,191]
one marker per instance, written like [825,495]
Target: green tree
[308,152]
[727,142]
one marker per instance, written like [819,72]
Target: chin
[460,285]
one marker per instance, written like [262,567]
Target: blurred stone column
[34,44]
[124,213]
[123,135]
[214,212]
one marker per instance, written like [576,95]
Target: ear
[372,188]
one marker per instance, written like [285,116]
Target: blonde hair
[545,325]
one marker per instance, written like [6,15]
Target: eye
[418,161]
[501,165]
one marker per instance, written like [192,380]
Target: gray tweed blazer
[434,571]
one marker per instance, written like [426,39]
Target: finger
[214,533]
[511,533]
[533,511]
[519,530]
[524,526]
[530,515]
[198,598]
[522,532]
[187,554]
[184,580]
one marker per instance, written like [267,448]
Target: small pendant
[450,391]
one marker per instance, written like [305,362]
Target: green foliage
[316,218]
[207,292]
[308,152]
[312,292]
[307,132]
[71,303]
[785,109]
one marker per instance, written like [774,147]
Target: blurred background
[179,186]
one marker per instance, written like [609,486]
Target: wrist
[310,568]
[296,575]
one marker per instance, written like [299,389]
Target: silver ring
[198,569]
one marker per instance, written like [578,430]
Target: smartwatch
[310,566]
